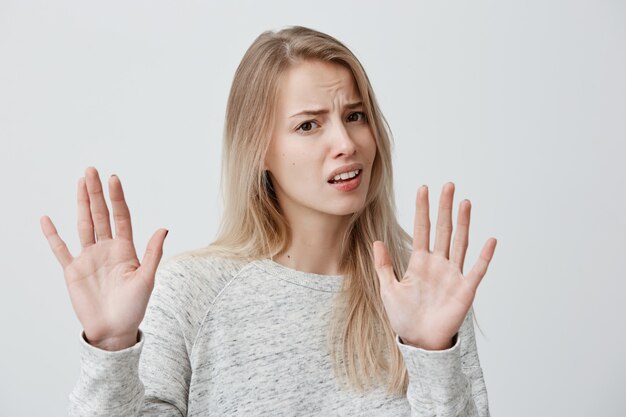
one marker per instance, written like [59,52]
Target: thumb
[384,267]
[154,252]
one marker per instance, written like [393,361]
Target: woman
[312,300]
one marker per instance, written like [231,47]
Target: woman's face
[320,131]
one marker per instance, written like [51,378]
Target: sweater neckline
[330,283]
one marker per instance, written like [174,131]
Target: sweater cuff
[108,379]
[436,379]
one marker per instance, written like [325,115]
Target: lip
[345,168]
[350,184]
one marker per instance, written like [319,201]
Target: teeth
[346,175]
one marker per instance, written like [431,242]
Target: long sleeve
[225,337]
[150,378]
[447,382]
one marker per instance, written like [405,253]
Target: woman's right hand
[108,287]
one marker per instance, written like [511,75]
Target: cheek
[297,167]
[369,147]
[372,151]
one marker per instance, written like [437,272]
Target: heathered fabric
[234,338]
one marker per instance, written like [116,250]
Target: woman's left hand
[427,307]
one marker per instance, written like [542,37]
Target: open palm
[428,305]
[108,287]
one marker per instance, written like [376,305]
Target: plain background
[521,104]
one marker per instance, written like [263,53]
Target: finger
[59,248]
[99,209]
[152,256]
[84,222]
[421,223]
[461,235]
[444,221]
[121,214]
[480,267]
[384,266]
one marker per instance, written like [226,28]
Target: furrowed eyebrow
[325,111]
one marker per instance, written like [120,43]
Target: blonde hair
[361,340]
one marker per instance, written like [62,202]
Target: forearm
[109,382]
[447,382]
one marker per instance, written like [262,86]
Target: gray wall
[521,104]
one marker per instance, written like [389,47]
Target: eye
[362,114]
[306,126]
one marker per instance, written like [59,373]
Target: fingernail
[113,175]
[166,232]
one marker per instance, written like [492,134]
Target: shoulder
[186,285]
[196,276]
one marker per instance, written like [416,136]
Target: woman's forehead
[312,84]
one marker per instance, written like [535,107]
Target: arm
[447,382]
[431,306]
[150,378]
[110,290]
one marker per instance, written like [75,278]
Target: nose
[342,143]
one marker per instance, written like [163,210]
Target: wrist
[114,343]
[430,345]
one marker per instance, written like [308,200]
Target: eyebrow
[325,111]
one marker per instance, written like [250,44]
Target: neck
[315,243]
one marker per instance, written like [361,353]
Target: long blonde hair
[361,340]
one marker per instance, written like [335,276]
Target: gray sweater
[234,338]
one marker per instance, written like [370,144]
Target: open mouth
[346,177]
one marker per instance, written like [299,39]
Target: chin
[346,208]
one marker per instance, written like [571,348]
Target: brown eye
[362,114]
[306,126]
